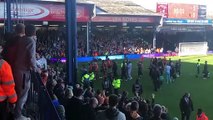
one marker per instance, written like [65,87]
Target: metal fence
[40,106]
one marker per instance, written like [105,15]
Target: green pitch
[170,94]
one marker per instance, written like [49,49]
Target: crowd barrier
[39,98]
[117,57]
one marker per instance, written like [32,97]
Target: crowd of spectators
[88,103]
[53,42]
[78,103]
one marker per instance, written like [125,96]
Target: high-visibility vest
[116,83]
[91,76]
[85,78]
[7,84]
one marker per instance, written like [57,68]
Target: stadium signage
[123,19]
[162,8]
[181,11]
[187,21]
[43,12]
[29,12]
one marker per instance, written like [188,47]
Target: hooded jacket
[202,117]
[111,114]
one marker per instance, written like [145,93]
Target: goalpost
[193,48]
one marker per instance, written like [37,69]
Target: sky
[152,4]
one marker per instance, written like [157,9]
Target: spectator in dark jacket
[186,106]
[112,113]
[88,110]
[157,111]
[74,106]
[133,113]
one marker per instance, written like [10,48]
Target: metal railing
[40,102]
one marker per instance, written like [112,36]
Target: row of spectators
[87,104]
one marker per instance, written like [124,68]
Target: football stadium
[106,60]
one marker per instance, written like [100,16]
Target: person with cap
[201,115]
[186,106]
[7,88]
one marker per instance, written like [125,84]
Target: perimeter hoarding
[43,12]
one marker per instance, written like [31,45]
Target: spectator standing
[112,113]
[178,67]
[107,85]
[124,70]
[74,105]
[133,113]
[129,69]
[205,71]
[198,68]
[9,52]
[114,68]
[157,111]
[168,71]
[25,62]
[140,69]
[88,110]
[186,106]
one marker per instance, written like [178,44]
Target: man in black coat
[186,106]
[88,110]
[73,108]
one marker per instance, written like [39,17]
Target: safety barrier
[40,101]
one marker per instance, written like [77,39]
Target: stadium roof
[120,7]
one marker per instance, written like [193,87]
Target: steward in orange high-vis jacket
[7,88]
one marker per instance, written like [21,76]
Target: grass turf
[170,94]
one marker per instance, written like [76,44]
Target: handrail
[39,95]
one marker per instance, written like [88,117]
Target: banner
[162,8]
[182,11]
[124,19]
[43,12]
[202,11]
[187,21]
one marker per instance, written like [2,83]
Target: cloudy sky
[152,4]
